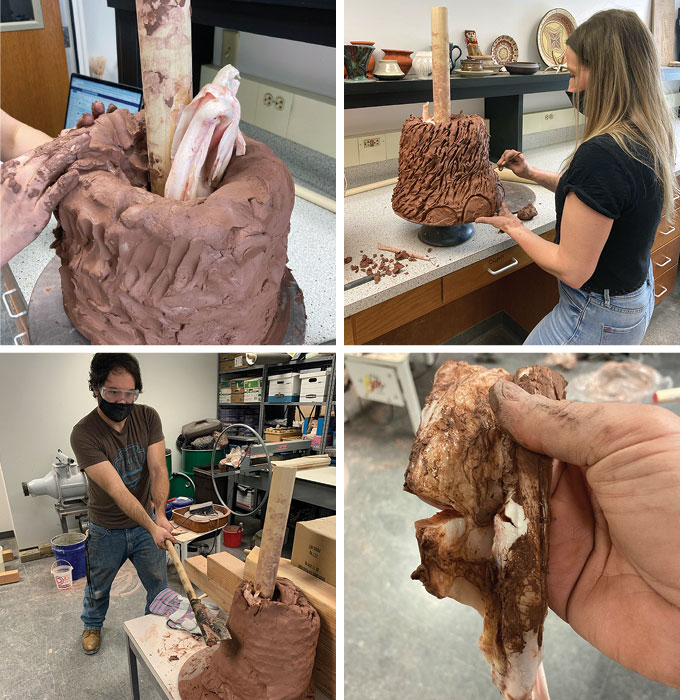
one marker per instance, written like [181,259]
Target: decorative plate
[473,73]
[553,32]
[504,49]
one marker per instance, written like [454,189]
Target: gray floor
[401,642]
[40,652]
[664,328]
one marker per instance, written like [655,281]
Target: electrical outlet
[372,148]
[273,109]
[267,99]
[374,142]
[229,47]
[279,103]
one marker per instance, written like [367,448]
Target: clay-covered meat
[488,547]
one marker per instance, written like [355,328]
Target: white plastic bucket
[62,573]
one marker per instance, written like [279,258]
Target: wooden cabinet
[438,310]
[664,284]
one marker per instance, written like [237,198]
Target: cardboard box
[238,398]
[238,386]
[232,361]
[314,548]
[252,383]
[284,387]
[252,396]
[314,386]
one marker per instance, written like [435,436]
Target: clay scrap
[271,653]
[137,268]
[445,177]
[488,545]
[527,213]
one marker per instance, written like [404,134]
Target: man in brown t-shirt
[120,447]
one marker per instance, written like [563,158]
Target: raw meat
[488,547]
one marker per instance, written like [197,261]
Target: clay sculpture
[139,268]
[271,653]
[488,545]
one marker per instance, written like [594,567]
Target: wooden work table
[464,284]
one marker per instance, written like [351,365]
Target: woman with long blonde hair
[609,199]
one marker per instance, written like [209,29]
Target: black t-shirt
[608,180]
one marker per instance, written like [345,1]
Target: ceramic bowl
[388,69]
[522,68]
[471,64]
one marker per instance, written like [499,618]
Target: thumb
[571,431]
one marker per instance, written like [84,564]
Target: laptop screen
[85,90]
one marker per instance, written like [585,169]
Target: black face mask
[116,412]
[578,99]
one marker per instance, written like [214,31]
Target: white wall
[49,395]
[295,63]
[6,524]
[405,24]
[96,35]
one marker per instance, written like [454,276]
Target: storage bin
[314,386]
[284,387]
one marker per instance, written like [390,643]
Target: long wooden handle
[280,495]
[180,570]
[441,78]
[164,28]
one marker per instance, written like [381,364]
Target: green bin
[168,461]
[181,485]
[198,458]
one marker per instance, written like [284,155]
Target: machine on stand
[68,484]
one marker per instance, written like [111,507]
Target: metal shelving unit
[266,371]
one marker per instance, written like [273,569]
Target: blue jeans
[107,551]
[587,318]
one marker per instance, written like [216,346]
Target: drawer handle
[663,264]
[5,296]
[658,296]
[665,233]
[677,196]
[21,335]
[514,262]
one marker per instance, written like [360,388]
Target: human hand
[89,118]
[163,522]
[160,535]
[515,161]
[614,567]
[31,187]
[505,220]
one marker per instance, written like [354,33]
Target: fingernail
[511,392]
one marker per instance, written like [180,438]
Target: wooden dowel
[390,249]
[441,78]
[164,28]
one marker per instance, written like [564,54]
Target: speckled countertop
[311,244]
[369,220]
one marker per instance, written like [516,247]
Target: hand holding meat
[32,186]
[614,572]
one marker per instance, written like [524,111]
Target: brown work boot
[91,641]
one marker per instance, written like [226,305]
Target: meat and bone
[205,139]
[488,545]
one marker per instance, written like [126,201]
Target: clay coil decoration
[137,268]
[445,177]
[271,653]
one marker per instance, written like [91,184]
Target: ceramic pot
[371,60]
[422,64]
[402,57]
[471,64]
[388,70]
[356,60]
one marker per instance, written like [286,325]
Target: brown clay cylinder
[441,78]
[280,495]
[164,28]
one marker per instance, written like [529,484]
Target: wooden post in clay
[441,78]
[280,495]
[164,28]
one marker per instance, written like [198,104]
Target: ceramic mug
[452,60]
[422,64]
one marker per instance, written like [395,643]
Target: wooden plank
[196,568]
[395,312]
[305,462]
[9,577]
[7,555]
[226,570]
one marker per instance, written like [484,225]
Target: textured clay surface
[270,656]
[488,547]
[141,269]
[527,213]
[445,177]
